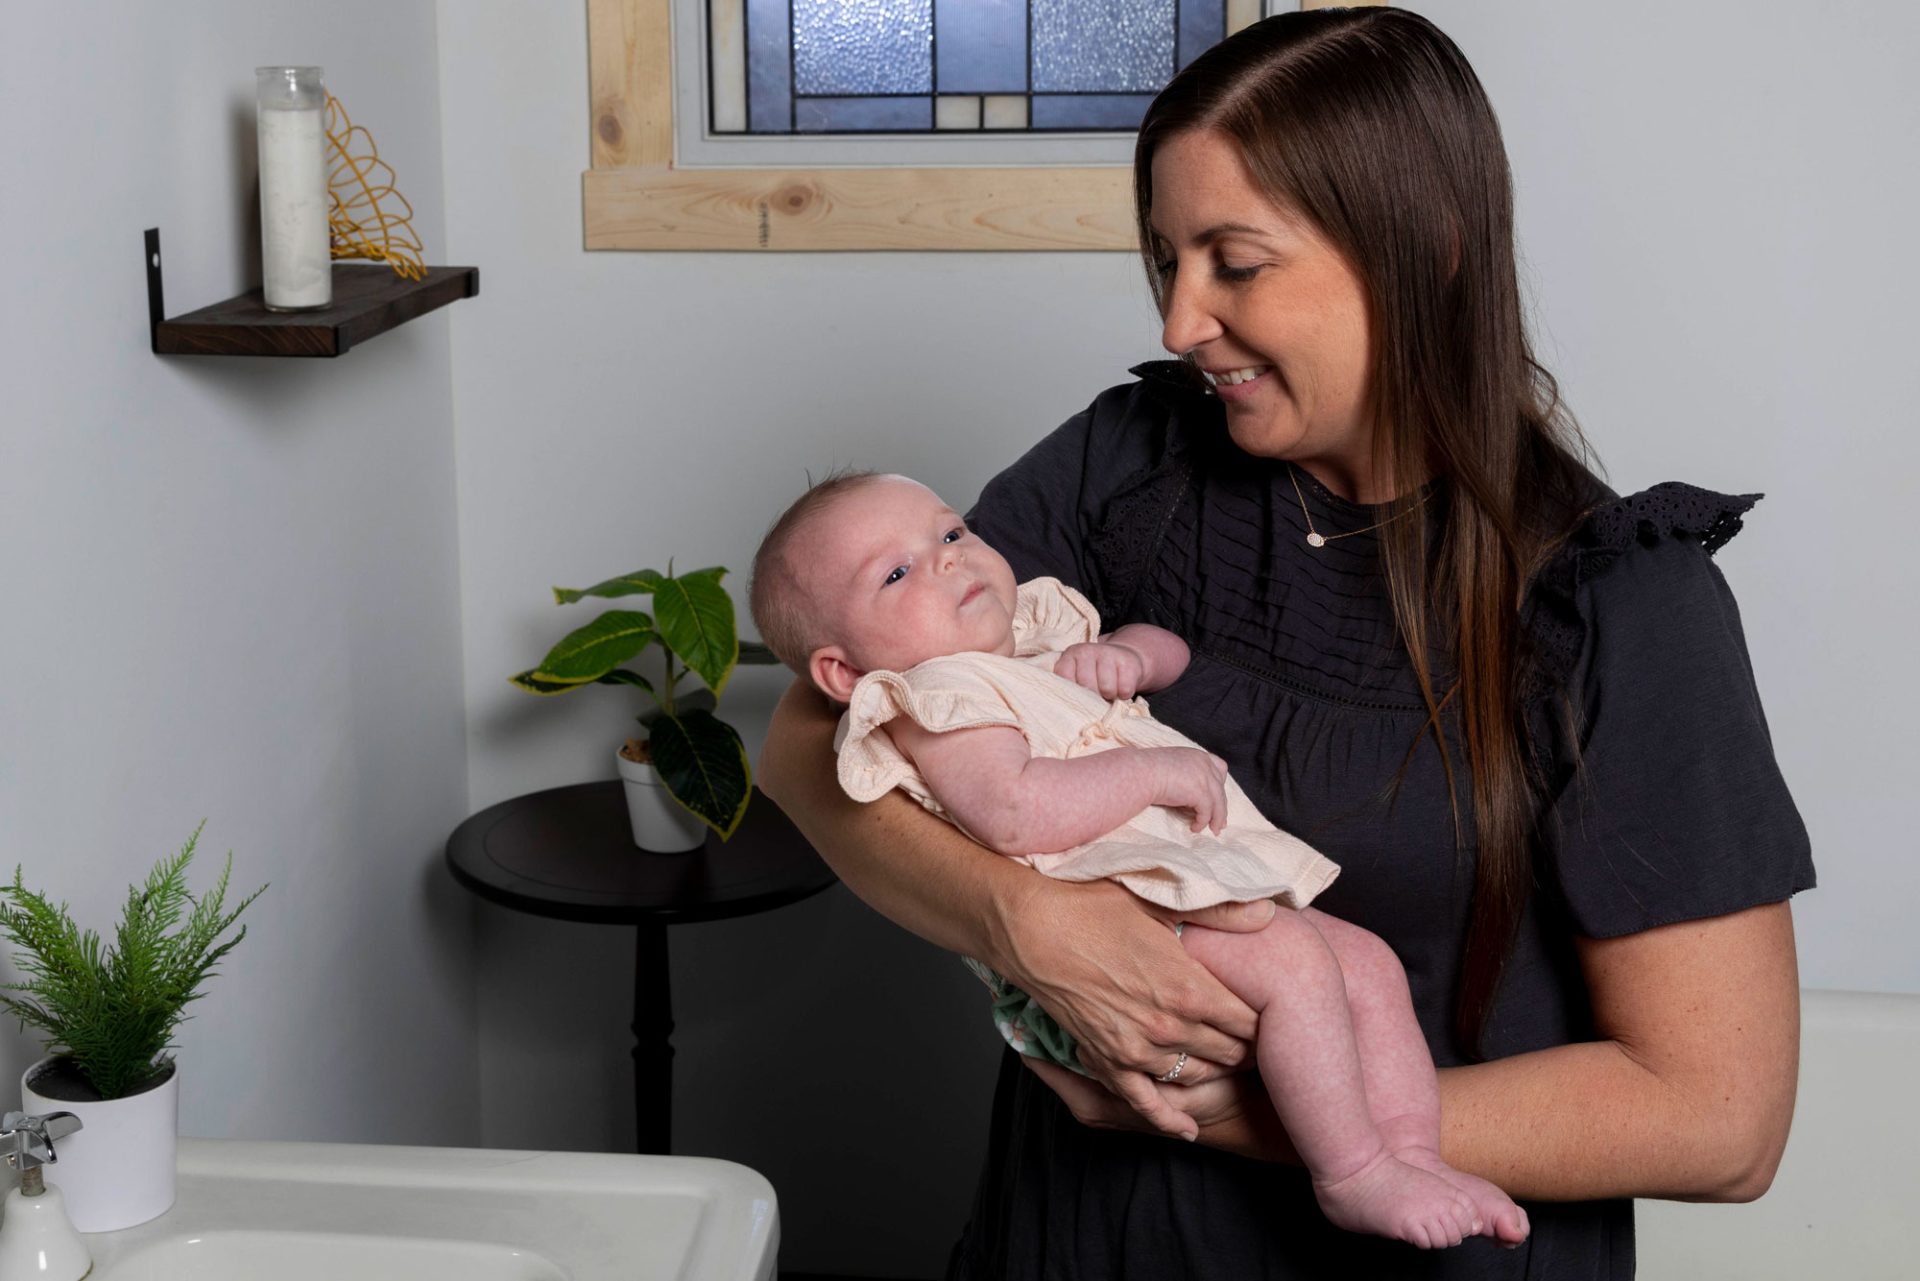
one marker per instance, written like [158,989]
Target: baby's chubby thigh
[1288,963]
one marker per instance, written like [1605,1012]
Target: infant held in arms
[1003,710]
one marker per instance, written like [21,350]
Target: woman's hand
[1231,1112]
[1111,970]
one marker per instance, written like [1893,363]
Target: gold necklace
[1316,539]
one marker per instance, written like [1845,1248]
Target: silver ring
[1174,1075]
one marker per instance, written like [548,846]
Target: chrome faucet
[33,1138]
[37,1239]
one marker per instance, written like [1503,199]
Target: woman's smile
[1237,385]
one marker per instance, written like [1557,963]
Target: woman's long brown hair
[1370,123]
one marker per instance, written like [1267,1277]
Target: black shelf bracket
[156,290]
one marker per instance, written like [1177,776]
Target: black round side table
[568,853]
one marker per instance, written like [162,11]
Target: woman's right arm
[1094,956]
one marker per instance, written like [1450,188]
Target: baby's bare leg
[1402,1089]
[1311,1063]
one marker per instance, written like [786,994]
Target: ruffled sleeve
[1048,616]
[1666,801]
[940,694]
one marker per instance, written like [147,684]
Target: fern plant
[113,1010]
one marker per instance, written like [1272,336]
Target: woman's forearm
[917,871]
[1582,1123]
[1573,1123]
[1688,1096]
[1097,959]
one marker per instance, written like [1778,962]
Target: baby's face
[902,579]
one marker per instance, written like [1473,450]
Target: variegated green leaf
[590,652]
[704,764]
[638,583]
[621,676]
[694,615]
[534,685]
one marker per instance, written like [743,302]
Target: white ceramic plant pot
[660,823]
[117,1170]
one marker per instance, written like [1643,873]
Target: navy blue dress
[1299,680]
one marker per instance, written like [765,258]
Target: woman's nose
[1187,321]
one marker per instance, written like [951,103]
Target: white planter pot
[660,823]
[117,1170]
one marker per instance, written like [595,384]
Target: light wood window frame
[635,198]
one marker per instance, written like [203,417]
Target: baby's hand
[1193,780]
[1109,670]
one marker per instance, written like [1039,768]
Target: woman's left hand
[1233,1111]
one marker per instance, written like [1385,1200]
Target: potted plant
[108,1018]
[690,772]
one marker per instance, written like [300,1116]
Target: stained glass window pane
[1090,110]
[769,67]
[865,66]
[862,46]
[864,115]
[1201,28]
[1102,46]
[982,45]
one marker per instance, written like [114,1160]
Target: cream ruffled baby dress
[1153,854]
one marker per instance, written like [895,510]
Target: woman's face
[1252,289]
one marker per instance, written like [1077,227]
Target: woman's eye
[894,575]
[956,534]
[1165,267]
[1235,273]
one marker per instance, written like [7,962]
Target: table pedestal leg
[652,1042]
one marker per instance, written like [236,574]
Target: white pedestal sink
[319,1211]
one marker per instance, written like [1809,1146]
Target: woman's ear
[832,674]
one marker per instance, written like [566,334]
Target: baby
[1004,710]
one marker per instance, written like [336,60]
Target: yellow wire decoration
[357,184]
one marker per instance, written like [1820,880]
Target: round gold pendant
[1315,540]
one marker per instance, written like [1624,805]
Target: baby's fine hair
[787,617]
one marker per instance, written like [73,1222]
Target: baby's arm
[1137,659]
[1016,803]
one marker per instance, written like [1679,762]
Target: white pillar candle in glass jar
[295,263]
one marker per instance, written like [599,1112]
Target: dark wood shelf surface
[368,299]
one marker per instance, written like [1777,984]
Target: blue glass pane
[1202,26]
[855,115]
[1090,111]
[1102,46]
[982,46]
[863,46]
[769,68]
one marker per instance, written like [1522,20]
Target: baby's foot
[1502,1220]
[1390,1198]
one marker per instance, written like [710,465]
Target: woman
[1515,708]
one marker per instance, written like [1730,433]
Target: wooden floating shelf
[368,299]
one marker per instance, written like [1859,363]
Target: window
[877,124]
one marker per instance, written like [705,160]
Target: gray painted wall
[231,585]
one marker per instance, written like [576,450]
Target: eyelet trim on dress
[1556,632]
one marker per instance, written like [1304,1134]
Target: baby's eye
[957,533]
[894,575]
